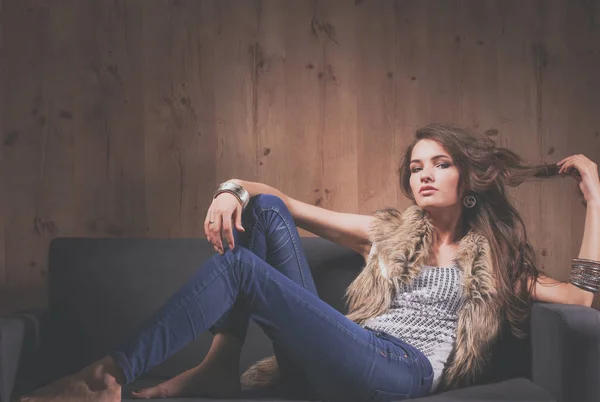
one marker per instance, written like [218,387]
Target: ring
[211,221]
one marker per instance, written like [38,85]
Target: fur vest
[401,244]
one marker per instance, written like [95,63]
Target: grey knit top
[424,313]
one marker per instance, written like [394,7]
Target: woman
[424,312]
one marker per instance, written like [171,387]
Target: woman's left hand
[585,172]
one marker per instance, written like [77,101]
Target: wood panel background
[119,118]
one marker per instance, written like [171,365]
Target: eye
[415,169]
[444,165]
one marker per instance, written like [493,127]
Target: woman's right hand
[222,211]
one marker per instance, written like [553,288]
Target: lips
[427,188]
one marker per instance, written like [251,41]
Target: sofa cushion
[516,389]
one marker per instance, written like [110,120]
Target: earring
[469,201]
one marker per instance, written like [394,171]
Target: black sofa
[99,289]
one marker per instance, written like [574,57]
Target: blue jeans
[266,278]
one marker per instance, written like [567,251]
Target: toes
[113,389]
[109,381]
[111,395]
[148,393]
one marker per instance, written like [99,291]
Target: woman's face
[432,166]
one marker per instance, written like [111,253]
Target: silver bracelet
[585,274]
[584,286]
[240,192]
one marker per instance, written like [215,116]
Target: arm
[590,248]
[550,290]
[255,188]
[349,230]
[547,289]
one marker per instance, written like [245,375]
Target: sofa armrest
[12,337]
[566,351]
[19,341]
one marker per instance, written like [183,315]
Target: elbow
[576,295]
[582,298]
[589,300]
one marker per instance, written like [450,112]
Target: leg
[340,358]
[272,236]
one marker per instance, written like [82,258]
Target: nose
[426,175]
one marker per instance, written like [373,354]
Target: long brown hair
[485,171]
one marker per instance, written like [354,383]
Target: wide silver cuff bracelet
[240,192]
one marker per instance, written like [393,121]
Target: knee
[244,269]
[267,201]
[240,258]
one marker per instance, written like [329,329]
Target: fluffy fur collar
[401,244]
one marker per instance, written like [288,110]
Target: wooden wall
[119,118]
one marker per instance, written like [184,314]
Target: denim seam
[297,251]
[408,350]
[252,235]
[406,359]
[203,320]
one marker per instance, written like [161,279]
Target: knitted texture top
[424,313]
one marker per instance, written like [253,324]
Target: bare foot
[75,389]
[212,380]
[96,382]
